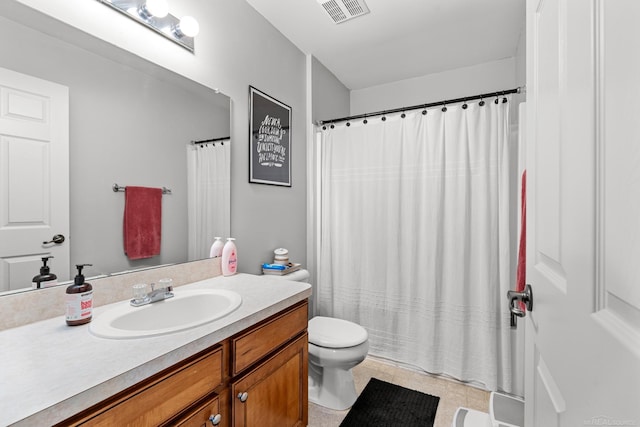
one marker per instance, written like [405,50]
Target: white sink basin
[187,309]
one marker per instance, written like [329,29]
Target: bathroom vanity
[248,368]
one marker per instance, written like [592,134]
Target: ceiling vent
[343,10]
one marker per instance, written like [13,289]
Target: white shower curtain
[209,209]
[414,240]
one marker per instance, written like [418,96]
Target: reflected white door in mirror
[34,177]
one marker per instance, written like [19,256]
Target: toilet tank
[296,276]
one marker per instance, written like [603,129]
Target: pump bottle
[229,258]
[216,248]
[79,300]
[45,279]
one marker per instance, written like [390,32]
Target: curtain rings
[465,106]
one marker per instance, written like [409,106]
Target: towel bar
[117,188]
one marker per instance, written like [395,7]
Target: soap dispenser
[79,300]
[229,258]
[45,279]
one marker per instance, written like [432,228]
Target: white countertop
[51,371]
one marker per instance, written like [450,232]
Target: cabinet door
[274,394]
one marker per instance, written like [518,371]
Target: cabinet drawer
[162,399]
[200,416]
[251,346]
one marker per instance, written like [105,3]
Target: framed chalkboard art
[269,140]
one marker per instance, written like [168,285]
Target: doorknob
[57,239]
[514,298]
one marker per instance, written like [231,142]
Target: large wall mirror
[130,123]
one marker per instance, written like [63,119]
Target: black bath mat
[385,404]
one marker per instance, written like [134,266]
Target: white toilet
[335,346]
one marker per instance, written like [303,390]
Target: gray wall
[330,98]
[126,126]
[263,217]
[457,83]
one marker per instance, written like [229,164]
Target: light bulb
[157,8]
[188,26]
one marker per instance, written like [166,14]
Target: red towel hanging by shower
[522,250]
[142,223]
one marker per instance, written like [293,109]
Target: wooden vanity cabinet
[274,391]
[257,377]
[161,397]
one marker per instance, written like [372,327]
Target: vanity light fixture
[154,14]
[153,8]
[188,26]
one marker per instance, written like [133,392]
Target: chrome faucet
[160,294]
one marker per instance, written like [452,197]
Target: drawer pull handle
[243,396]
[215,419]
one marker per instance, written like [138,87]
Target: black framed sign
[269,140]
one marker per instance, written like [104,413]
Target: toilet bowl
[335,346]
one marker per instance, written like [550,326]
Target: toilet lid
[335,333]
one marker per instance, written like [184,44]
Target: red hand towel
[142,223]
[522,251]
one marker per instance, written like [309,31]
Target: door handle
[57,239]
[515,298]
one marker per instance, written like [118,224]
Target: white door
[583,249]
[34,178]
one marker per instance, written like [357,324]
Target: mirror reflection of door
[34,178]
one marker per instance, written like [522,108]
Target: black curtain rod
[204,141]
[417,107]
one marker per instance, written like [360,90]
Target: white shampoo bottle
[229,258]
[216,248]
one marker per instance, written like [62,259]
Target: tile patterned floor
[452,394]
